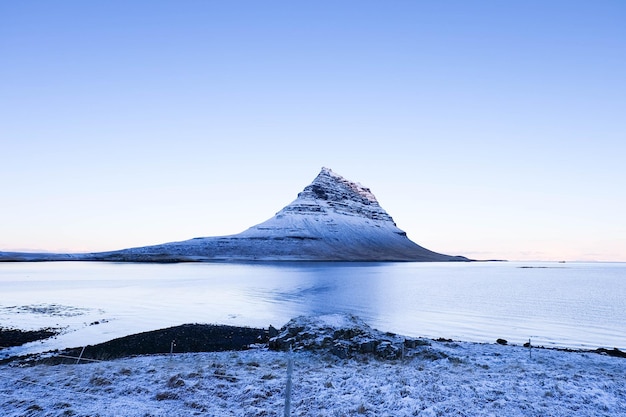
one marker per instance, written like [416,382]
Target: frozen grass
[444,379]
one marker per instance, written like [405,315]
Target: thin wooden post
[81,355]
[288,387]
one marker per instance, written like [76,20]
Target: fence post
[81,355]
[288,387]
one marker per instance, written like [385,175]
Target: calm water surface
[572,304]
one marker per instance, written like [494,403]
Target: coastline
[202,338]
[430,378]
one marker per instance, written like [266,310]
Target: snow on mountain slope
[332,219]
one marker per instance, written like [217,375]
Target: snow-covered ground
[443,379]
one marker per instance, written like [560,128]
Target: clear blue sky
[488,129]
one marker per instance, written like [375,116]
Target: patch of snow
[336,321]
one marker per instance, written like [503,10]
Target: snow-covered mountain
[332,219]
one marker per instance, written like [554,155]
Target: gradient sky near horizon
[494,130]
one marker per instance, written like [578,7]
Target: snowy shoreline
[434,378]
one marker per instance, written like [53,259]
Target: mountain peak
[330,192]
[329,179]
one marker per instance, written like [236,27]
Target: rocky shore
[344,336]
[340,365]
[17,337]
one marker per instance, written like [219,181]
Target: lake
[578,305]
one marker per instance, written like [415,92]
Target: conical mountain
[332,219]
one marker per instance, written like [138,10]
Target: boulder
[343,335]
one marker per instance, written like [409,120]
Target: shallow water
[574,304]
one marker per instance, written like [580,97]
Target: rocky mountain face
[332,219]
[331,193]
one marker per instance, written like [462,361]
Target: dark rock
[327,341]
[346,333]
[413,343]
[16,337]
[368,346]
[341,350]
[293,331]
[502,342]
[272,332]
[306,335]
[409,343]
[342,335]
[612,352]
[386,350]
[319,192]
[283,344]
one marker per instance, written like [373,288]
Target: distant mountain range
[332,219]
